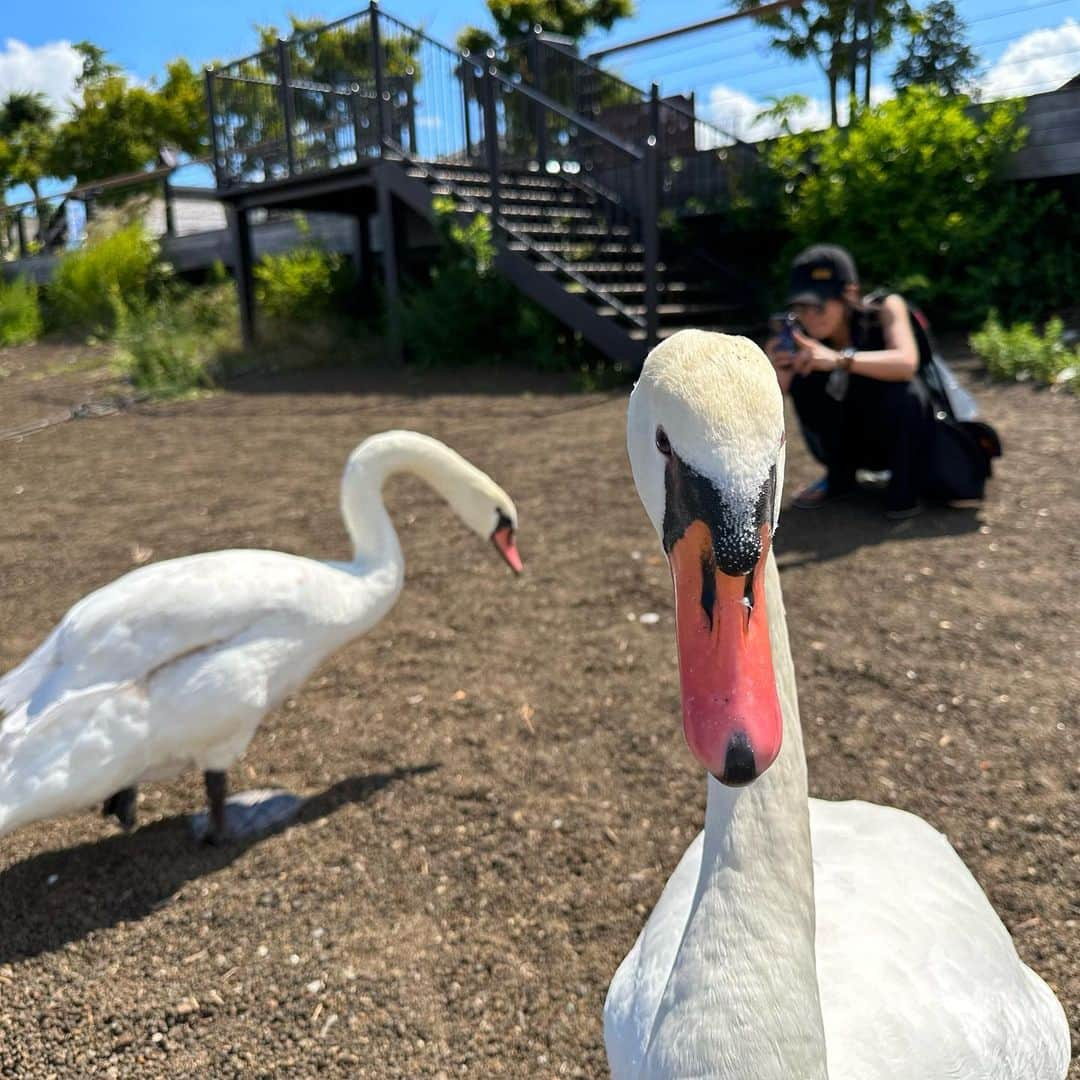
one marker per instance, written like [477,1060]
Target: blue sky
[1026,46]
[143,37]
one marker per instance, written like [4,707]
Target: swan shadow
[126,876]
[806,537]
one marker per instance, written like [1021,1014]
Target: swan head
[705,434]
[491,513]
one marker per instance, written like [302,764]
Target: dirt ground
[499,784]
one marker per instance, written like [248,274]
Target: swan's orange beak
[505,543]
[731,711]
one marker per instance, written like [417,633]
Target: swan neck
[370,528]
[747,954]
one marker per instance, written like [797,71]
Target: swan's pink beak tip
[506,545]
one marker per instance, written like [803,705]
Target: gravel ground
[499,786]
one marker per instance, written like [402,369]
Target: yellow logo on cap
[821,273]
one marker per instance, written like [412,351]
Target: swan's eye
[663,443]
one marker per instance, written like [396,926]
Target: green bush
[298,286]
[468,313]
[92,286]
[914,189]
[1021,352]
[179,341]
[20,313]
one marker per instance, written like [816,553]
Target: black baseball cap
[820,273]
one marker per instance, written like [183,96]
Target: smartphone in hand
[783,325]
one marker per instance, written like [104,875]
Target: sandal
[818,494]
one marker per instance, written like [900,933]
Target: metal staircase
[573,200]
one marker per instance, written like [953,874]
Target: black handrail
[643,96]
[574,118]
[261,108]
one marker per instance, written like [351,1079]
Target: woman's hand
[783,362]
[813,355]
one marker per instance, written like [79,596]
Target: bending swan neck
[371,464]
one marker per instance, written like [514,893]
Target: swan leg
[216,785]
[122,806]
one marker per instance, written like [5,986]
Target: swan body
[797,938]
[173,666]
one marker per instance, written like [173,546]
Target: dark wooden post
[491,145]
[170,222]
[358,127]
[361,244]
[20,225]
[649,223]
[285,97]
[380,75]
[388,234]
[211,110]
[240,235]
[410,91]
[539,116]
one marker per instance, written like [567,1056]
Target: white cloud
[1041,60]
[737,113]
[50,68]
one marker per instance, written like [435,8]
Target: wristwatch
[844,360]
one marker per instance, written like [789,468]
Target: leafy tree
[94,65]
[913,188]
[574,18]
[781,111]
[514,20]
[120,127]
[26,124]
[840,36]
[937,53]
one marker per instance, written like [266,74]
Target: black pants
[878,425]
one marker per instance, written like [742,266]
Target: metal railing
[371,86]
[44,226]
[556,140]
[697,158]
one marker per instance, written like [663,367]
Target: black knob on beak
[739,765]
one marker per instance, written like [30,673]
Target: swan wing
[127,630]
[636,991]
[170,666]
[917,974]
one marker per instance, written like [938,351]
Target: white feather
[801,938]
[173,666]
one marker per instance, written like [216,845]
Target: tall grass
[20,312]
[298,286]
[1020,352]
[180,341]
[92,285]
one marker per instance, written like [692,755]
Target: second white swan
[173,666]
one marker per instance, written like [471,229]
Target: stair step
[552,229]
[613,273]
[465,175]
[669,310]
[636,333]
[539,198]
[561,247]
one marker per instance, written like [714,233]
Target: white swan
[879,956]
[173,666]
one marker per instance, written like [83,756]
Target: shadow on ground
[124,877]
[837,529]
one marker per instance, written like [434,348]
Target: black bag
[964,446]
